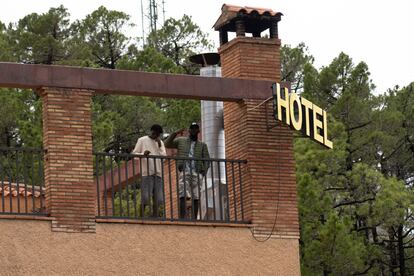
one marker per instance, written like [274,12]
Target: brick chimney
[251,131]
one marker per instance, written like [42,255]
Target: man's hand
[147,152]
[158,140]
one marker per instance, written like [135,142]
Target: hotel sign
[300,114]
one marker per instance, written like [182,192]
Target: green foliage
[391,204]
[119,121]
[6,53]
[339,208]
[102,35]
[178,39]
[148,60]
[99,40]
[355,201]
[334,249]
[128,204]
[181,113]
[20,114]
[8,123]
[41,38]
[293,62]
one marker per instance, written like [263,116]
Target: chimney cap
[256,19]
[206,59]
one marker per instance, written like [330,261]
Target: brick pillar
[67,137]
[170,194]
[269,182]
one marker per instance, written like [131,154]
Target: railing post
[67,138]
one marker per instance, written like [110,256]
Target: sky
[378,32]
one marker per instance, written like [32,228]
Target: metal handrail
[215,195]
[166,157]
[21,171]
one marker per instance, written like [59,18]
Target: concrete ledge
[26,217]
[250,40]
[276,236]
[175,223]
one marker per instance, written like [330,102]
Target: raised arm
[171,142]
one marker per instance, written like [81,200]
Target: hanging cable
[278,151]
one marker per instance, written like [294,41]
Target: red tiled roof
[21,191]
[228,12]
[248,10]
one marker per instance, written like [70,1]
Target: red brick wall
[269,182]
[67,137]
[171,197]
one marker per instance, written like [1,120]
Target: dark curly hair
[157,128]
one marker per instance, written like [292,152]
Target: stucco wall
[29,247]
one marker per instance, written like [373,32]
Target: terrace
[118,180]
[117,177]
[76,182]
[251,192]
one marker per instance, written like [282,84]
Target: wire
[263,102]
[251,109]
[278,150]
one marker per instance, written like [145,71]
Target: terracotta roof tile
[229,12]
[248,10]
[22,191]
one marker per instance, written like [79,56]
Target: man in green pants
[191,172]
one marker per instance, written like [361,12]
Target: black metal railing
[21,181]
[169,188]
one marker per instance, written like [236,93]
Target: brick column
[67,137]
[269,180]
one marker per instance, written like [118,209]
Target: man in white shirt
[152,186]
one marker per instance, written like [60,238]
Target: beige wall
[29,247]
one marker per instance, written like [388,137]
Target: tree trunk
[401,253]
[393,253]
[8,137]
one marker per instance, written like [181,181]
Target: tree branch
[360,126]
[344,203]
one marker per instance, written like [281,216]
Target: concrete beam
[121,82]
